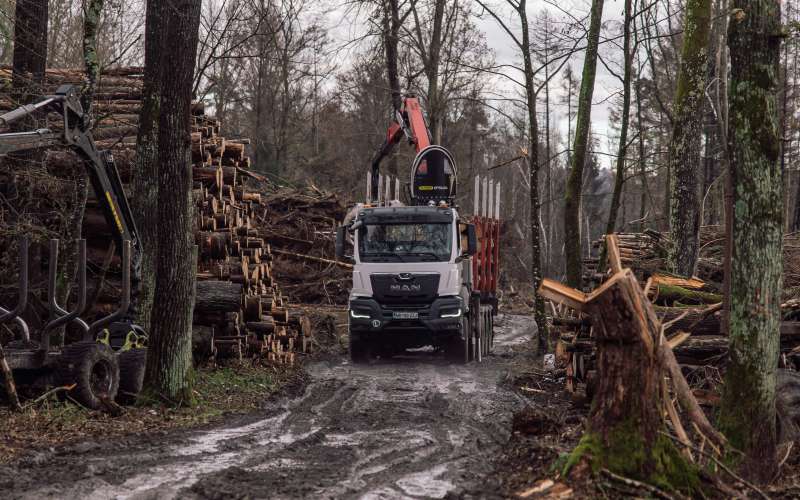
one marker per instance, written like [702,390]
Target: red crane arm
[410,121]
[420,135]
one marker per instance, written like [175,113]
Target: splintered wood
[632,355]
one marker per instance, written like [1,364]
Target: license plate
[405,315]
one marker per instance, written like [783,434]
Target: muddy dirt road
[413,426]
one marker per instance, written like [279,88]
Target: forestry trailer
[424,275]
[108,360]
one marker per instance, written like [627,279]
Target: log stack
[239,306]
[689,309]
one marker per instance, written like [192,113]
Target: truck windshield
[405,242]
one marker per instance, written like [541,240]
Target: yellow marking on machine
[114,212]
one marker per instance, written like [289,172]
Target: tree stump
[624,432]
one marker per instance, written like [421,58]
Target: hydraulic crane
[433,172]
[109,359]
[75,133]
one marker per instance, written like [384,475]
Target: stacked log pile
[239,305]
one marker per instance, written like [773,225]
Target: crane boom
[100,167]
[410,122]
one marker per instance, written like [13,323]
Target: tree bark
[619,178]
[747,415]
[685,145]
[218,296]
[391,39]
[145,171]
[30,48]
[573,190]
[169,360]
[625,429]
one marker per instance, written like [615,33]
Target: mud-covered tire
[93,368]
[131,375]
[457,349]
[359,350]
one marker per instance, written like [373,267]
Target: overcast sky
[344,28]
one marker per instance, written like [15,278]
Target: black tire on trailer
[359,349]
[93,368]
[131,375]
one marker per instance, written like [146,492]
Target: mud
[411,426]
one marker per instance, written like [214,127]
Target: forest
[177,178]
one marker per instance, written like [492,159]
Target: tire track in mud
[412,426]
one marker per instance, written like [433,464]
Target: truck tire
[131,375]
[359,350]
[459,350]
[93,368]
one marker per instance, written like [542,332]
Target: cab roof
[400,215]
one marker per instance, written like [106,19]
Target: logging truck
[424,274]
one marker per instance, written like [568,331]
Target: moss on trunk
[685,144]
[573,189]
[747,415]
[624,452]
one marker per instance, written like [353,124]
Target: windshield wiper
[426,254]
[382,254]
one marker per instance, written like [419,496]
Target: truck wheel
[458,349]
[131,375]
[359,350]
[93,368]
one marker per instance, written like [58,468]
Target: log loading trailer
[423,274]
[108,360]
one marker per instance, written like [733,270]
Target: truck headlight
[359,314]
[451,313]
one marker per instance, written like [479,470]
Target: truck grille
[405,288]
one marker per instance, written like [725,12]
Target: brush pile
[689,309]
[300,225]
[239,305]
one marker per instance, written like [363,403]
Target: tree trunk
[391,39]
[30,48]
[619,178]
[686,142]
[573,191]
[533,173]
[145,171]
[625,429]
[169,360]
[747,415]
[435,106]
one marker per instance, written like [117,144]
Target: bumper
[382,317]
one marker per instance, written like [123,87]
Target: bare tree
[169,357]
[572,197]
[685,145]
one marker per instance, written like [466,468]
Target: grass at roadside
[224,391]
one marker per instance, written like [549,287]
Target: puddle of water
[426,484]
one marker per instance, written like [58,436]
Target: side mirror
[472,240]
[340,234]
